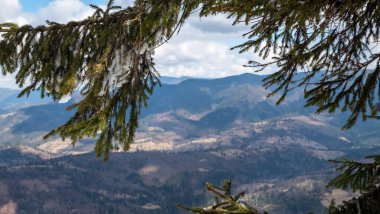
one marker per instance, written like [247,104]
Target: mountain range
[193,130]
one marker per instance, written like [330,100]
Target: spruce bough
[108,57]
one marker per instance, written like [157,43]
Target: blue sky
[31,6]
[202,48]
[34,5]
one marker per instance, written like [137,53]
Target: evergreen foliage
[367,203]
[108,57]
[225,202]
[363,177]
[359,176]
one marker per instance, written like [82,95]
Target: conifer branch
[225,202]
[367,203]
[108,56]
[331,41]
[358,176]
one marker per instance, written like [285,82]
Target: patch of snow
[5,116]
[203,170]
[344,139]
[150,169]
[150,206]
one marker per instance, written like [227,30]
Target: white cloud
[60,11]
[216,24]
[57,10]
[200,59]
[11,11]
[8,81]
[202,49]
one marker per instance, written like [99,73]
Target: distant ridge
[7,92]
[174,80]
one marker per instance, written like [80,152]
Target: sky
[201,49]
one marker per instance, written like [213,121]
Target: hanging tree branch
[108,56]
[334,42]
[362,177]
